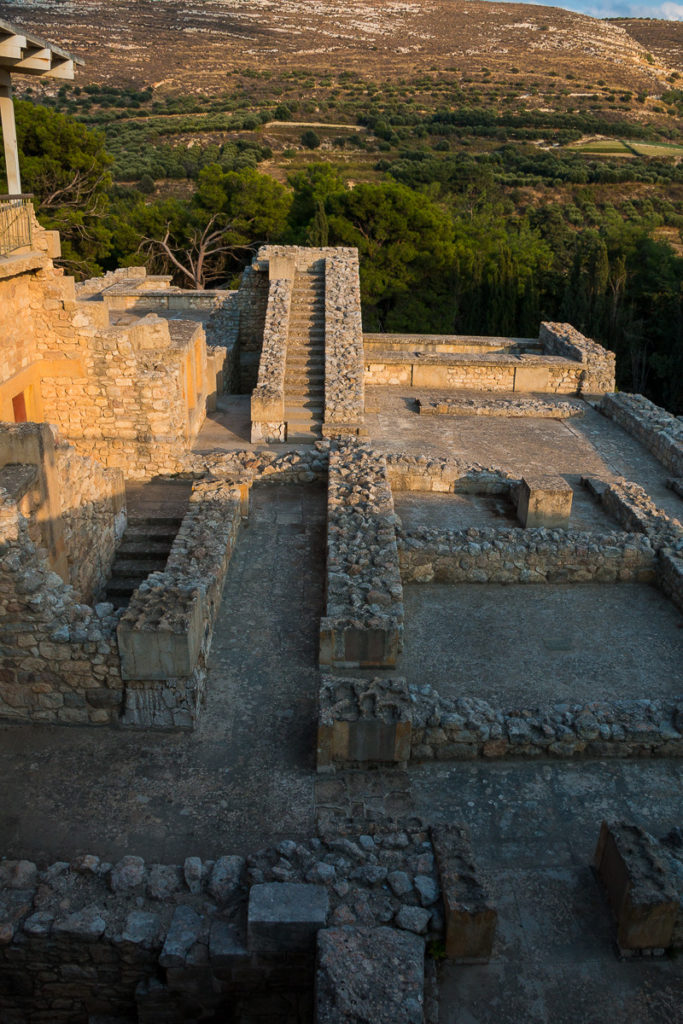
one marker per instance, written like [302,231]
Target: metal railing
[16,223]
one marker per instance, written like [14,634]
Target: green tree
[405,245]
[66,167]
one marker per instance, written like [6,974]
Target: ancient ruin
[484,587]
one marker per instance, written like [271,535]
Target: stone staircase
[305,368]
[144,548]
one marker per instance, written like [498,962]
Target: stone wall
[165,942]
[344,372]
[536,555]
[512,408]
[138,394]
[487,372]
[165,633]
[422,473]
[597,363]
[657,429]
[253,302]
[93,518]
[365,722]
[363,623]
[60,658]
[268,397]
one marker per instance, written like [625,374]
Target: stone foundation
[657,429]
[366,722]
[363,623]
[165,634]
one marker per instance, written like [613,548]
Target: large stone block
[284,917]
[544,501]
[369,976]
[628,863]
[470,915]
[161,644]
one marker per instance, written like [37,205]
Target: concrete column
[9,134]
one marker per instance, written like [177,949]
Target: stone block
[281,267]
[369,976]
[531,378]
[284,917]
[639,888]
[544,501]
[167,650]
[470,916]
[364,741]
[354,647]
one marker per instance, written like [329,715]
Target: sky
[619,8]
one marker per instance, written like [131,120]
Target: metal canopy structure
[22,53]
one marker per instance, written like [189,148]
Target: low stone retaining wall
[302,465]
[597,363]
[160,942]
[268,398]
[487,372]
[536,555]
[448,476]
[656,428]
[643,880]
[388,720]
[165,633]
[508,407]
[634,509]
[670,576]
[344,371]
[363,623]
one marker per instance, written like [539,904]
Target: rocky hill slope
[191,45]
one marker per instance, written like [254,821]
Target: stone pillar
[9,134]
[544,501]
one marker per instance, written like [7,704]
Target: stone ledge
[657,429]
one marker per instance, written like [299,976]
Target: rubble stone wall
[597,363]
[657,429]
[369,721]
[60,657]
[160,942]
[363,623]
[538,555]
[166,631]
[253,302]
[93,518]
[344,370]
[268,397]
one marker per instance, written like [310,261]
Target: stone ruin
[108,383]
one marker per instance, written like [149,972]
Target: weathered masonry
[106,386]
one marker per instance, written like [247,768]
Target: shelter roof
[23,53]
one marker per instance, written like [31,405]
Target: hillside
[192,45]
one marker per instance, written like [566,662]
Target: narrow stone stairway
[144,548]
[305,370]
[155,512]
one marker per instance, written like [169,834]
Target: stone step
[122,587]
[128,568]
[306,412]
[147,548]
[303,382]
[152,526]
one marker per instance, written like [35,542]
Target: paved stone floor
[534,826]
[588,445]
[522,646]
[246,777]
[460,511]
